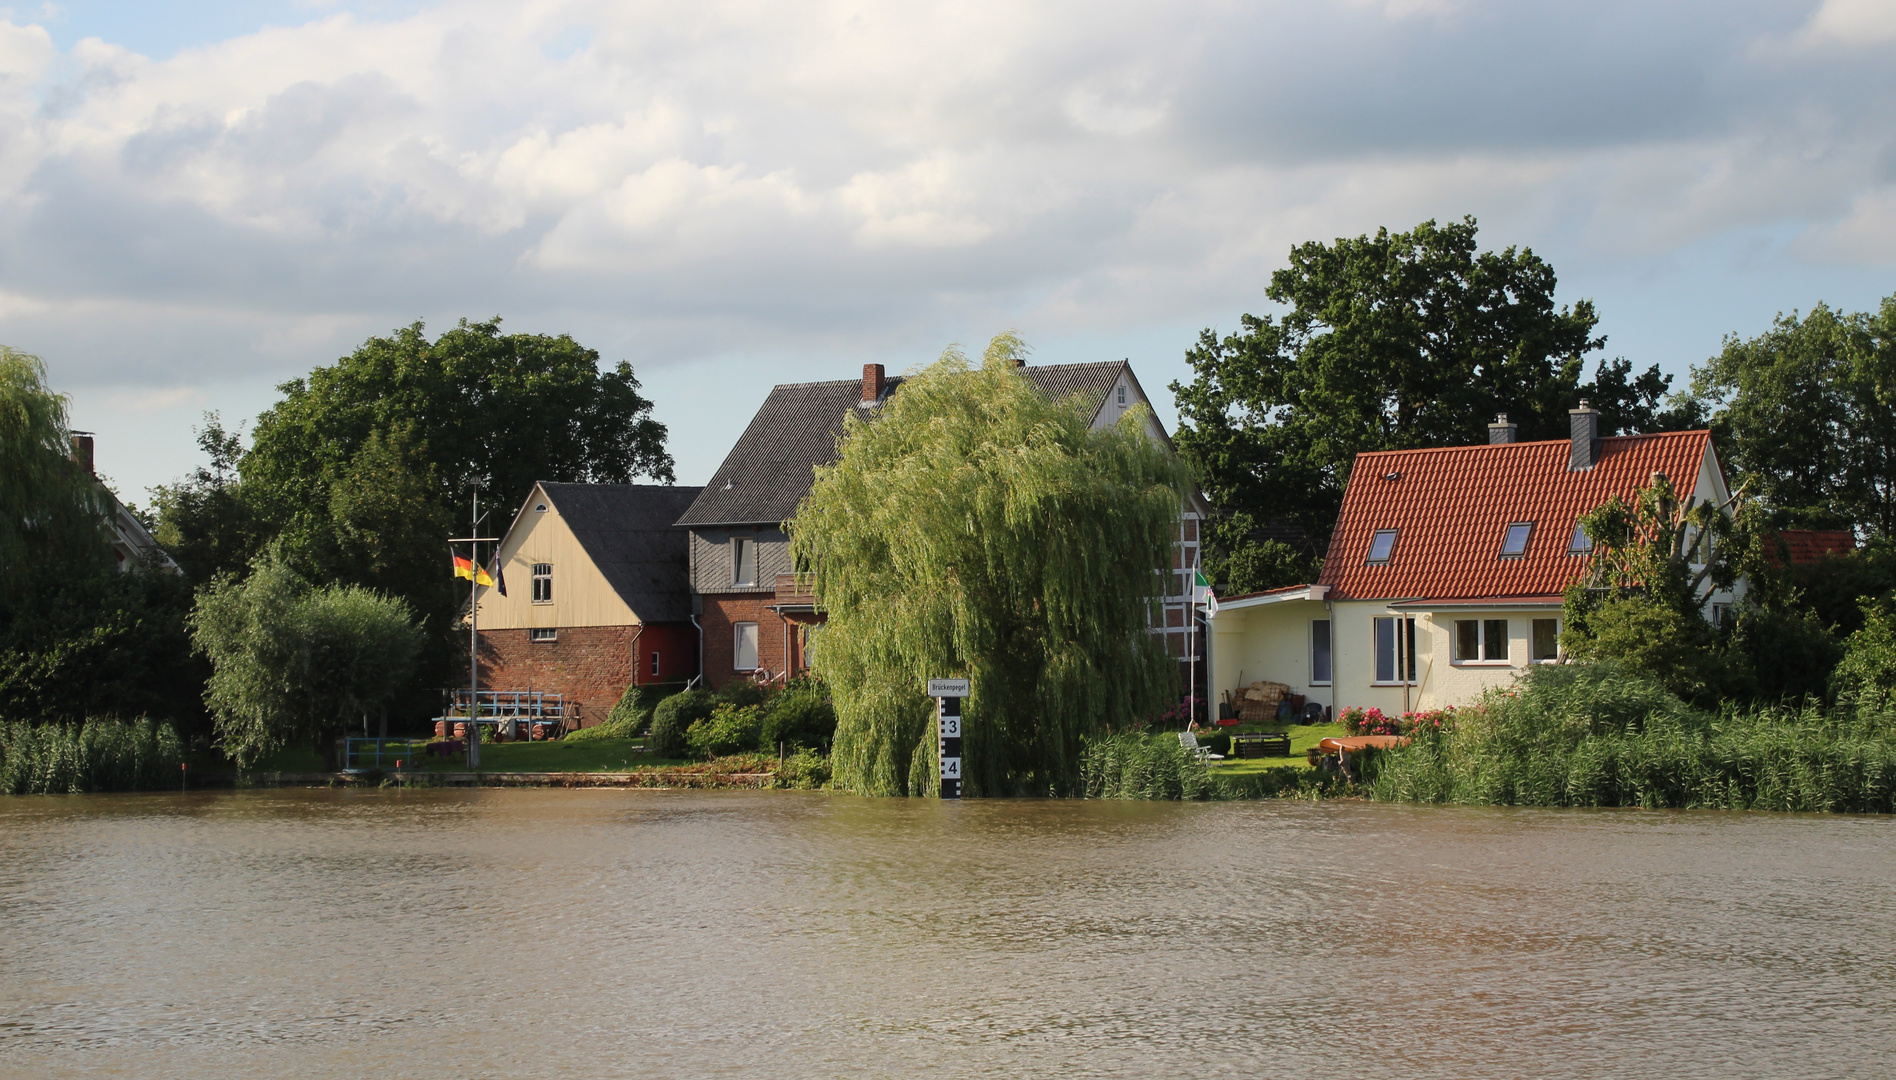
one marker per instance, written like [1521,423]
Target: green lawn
[1302,738]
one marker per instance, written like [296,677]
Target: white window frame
[738,646]
[1329,648]
[740,545]
[1579,543]
[1482,627]
[654,663]
[542,576]
[1375,645]
[541,635]
[1122,395]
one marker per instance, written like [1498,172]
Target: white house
[1445,573]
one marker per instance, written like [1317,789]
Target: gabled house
[755,612]
[1445,572]
[596,596]
[132,544]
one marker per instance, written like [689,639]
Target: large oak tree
[1387,342]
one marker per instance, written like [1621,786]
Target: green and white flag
[1201,592]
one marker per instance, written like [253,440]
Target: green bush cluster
[730,729]
[805,770]
[632,714]
[100,755]
[742,717]
[1599,735]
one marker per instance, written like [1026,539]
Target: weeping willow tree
[49,507]
[977,529]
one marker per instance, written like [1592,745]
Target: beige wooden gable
[581,594]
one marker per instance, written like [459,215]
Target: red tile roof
[1452,505]
[1810,545]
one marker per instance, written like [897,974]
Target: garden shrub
[1867,673]
[632,713]
[100,755]
[730,729]
[805,770]
[1599,735]
[673,717]
[801,714]
[741,692]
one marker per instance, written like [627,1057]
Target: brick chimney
[1584,453]
[1501,431]
[82,451]
[874,384]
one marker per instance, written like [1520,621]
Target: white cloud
[684,180]
[1852,22]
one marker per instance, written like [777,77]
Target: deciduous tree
[977,529]
[1388,342]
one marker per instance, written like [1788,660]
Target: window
[743,561]
[1382,545]
[539,508]
[542,583]
[1478,640]
[1320,652]
[1581,544]
[1122,395]
[1514,542]
[543,633]
[1545,644]
[654,665]
[744,646]
[1395,650]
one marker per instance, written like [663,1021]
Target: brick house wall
[590,665]
[722,611]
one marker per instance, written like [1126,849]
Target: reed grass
[1595,735]
[99,755]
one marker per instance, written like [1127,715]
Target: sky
[200,201]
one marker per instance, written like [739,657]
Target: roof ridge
[1535,442]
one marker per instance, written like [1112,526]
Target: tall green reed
[1594,735]
[99,755]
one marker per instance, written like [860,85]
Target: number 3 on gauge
[951,727]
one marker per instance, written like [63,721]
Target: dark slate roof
[773,464]
[628,533]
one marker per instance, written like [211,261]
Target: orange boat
[1361,742]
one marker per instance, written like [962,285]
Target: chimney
[873,383]
[1501,431]
[82,451]
[1584,453]
[1020,361]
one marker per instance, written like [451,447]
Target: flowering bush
[1181,713]
[1374,722]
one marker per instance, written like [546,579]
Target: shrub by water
[100,755]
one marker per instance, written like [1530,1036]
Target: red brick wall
[722,611]
[590,665]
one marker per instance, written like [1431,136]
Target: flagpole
[473,636]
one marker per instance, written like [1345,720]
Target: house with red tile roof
[1445,572]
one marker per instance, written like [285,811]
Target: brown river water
[540,933]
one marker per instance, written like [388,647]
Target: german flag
[465,568]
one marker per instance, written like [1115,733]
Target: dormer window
[1581,543]
[1514,541]
[1382,545]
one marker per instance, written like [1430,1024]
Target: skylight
[1580,544]
[1381,545]
[1514,544]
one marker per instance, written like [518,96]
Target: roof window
[1382,545]
[1514,541]
[1581,543]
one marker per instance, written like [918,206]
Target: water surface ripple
[537,933]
